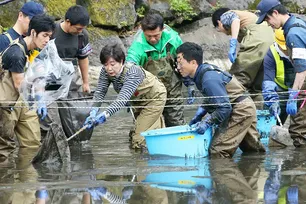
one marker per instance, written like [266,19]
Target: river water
[107,165]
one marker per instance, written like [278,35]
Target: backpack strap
[210,67]
[295,25]
[8,36]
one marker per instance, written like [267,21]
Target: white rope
[165,106]
[79,100]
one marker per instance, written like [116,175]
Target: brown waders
[15,118]
[255,41]
[174,110]
[297,128]
[149,115]
[240,129]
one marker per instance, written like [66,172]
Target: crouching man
[230,110]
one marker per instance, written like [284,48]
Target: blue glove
[275,109]
[42,111]
[201,127]
[41,194]
[232,50]
[293,195]
[90,120]
[100,119]
[291,108]
[97,193]
[41,106]
[191,95]
[201,112]
[269,92]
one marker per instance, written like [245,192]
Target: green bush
[182,9]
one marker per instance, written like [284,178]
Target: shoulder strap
[15,42]
[295,25]
[210,67]
[8,36]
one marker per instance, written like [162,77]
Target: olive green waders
[174,111]
[15,117]
[255,41]
[240,129]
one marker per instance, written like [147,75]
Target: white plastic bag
[48,77]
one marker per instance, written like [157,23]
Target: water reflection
[98,177]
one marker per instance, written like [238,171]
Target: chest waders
[163,69]
[297,128]
[239,129]
[149,116]
[7,88]
[14,120]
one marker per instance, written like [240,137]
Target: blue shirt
[4,40]
[213,84]
[296,42]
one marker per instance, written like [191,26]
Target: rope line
[165,106]
[79,100]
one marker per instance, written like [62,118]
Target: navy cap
[32,9]
[264,7]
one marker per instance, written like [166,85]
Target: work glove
[191,95]
[202,126]
[293,195]
[269,92]
[275,109]
[90,120]
[291,108]
[41,194]
[201,112]
[97,193]
[100,119]
[232,50]
[41,111]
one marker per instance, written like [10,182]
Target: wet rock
[280,137]
[295,6]
[163,8]
[111,13]
[57,8]
[9,13]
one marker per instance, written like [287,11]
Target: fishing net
[54,148]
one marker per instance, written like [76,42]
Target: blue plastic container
[265,121]
[180,141]
[180,181]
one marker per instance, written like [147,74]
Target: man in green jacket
[154,48]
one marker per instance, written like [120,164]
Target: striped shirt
[126,85]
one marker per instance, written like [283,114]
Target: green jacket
[137,53]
